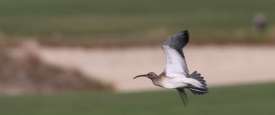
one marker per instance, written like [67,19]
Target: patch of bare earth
[22,72]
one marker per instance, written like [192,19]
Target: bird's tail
[198,90]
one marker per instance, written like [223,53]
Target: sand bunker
[221,65]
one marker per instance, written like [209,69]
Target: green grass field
[234,100]
[136,20]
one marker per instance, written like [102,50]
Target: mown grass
[237,100]
[136,20]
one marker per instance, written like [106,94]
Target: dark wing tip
[178,40]
[185,32]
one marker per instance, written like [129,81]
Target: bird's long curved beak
[144,75]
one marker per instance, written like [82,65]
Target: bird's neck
[157,81]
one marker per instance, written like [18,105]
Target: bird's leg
[183,96]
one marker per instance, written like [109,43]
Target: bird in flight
[176,74]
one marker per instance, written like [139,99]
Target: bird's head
[150,75]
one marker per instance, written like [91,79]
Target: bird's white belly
[172,83]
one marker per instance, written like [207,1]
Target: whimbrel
[176,74]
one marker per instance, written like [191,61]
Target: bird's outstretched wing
[175,60]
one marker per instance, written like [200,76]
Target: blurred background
[67,57]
